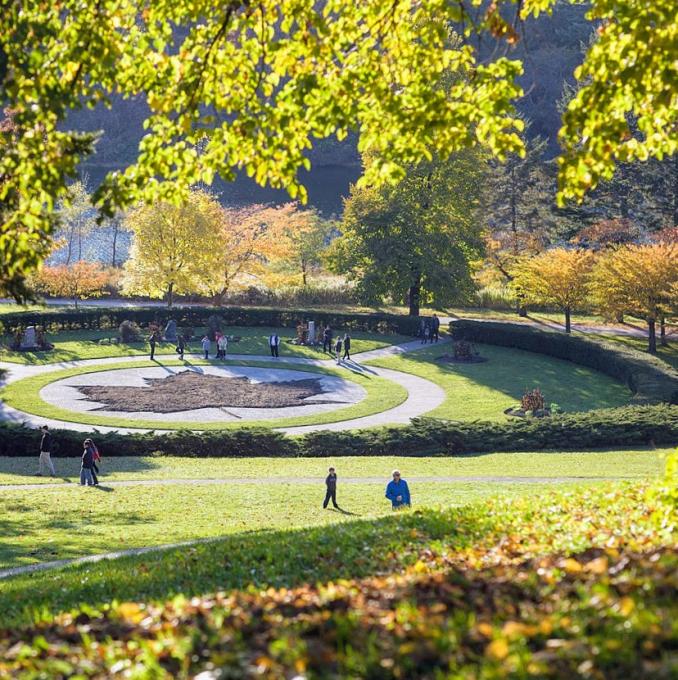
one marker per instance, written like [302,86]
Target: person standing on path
[181,346]
[96,457]
[87,464]
[206,346]
[222,346]
[331,484]
[398,492]
[347,346]
[46,453]
[274,343]
[435,328]
[327,340]
[152,339]
[337,349]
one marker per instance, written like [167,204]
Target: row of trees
[640,280]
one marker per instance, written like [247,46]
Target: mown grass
[24,395]
[485,390]
[74,345]
[73,521]
[502,588]
[627,464]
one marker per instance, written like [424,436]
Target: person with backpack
[45,460]
[337,349]
[274,343]
[87,464]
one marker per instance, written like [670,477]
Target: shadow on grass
[68,468]
[277,558]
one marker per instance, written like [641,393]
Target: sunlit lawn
[72,345]
[485,390]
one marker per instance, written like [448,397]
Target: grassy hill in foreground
[581,585]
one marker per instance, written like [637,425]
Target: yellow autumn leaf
[497,649]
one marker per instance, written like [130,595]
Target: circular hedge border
[24,395]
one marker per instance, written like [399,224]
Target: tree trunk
[651,337]
[413,297]
[115,240]
[568,326]
[170,295]
[303,273]
[662,332]
[80,245]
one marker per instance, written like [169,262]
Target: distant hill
[550,50]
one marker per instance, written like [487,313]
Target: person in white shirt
[274,343]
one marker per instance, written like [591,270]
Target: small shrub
[532,400]
[129,331]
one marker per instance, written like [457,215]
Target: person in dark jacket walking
[327,340]
[331,484]
[152,340]
[46,453]
[347,346]
[435,328]
[87,464]
[181,346]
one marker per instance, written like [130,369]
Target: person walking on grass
[96,457]
[327,340]
[181,346]
[331,484]
[46,453]
[398,492]
[152,340]
[86,470]
[206,346]
[337,349]
[347,346]
[274,344]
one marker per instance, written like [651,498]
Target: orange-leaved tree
[557,277]
[78,281]
[640,280]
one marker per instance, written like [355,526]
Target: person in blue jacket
[397,491]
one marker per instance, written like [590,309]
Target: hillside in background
[551,47]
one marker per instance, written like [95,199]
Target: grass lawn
[669,353]
[497,586]
[627,464]
[484,390]
[73,345]
[24,395]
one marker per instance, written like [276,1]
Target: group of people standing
[430,330]
[90,458]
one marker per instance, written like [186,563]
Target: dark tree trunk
[651,337]
[414,296]
[115,241]
[568,326]
[170,294]
[303,273]
[662,332]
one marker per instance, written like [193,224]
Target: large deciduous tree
[249,84]
[175,249]
[641,280]
[413,241]
[558,277]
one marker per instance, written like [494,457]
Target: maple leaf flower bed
[24,395]
[581,586]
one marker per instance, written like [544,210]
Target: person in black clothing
[327,339]
[347,346]
[435,328]
[331,484]
[181,346]
[87,465]
[274,343]
[46,453]
[151,341]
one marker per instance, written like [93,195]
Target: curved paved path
[423,395]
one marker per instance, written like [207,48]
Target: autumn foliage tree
[79,281]
[176,249]
[641,280]
[556,277]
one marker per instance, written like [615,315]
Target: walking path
[489,479]
[423,395]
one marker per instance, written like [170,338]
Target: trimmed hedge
[649,378]
[625,426]
[104,317]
